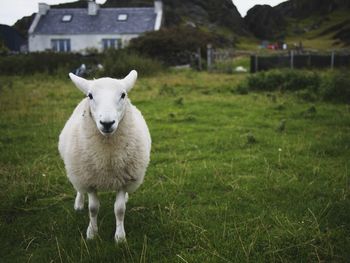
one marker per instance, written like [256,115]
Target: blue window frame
[114,43]
[60,45]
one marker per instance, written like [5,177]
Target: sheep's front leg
[79,202]
[119,210]
[94,206]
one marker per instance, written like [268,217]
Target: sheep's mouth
[107,131]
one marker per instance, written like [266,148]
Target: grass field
[228,182]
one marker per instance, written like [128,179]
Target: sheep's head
[107,99]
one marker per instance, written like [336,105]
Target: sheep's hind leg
[119,210]
[79,202]
[94,206]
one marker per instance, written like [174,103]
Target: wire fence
[299,61]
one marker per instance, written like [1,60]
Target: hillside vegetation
[306,8]
[318,24]
[331,31]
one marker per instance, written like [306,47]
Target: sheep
[105,146]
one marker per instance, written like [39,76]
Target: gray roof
[139,20]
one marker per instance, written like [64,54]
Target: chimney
[158,6]
[158,9]
[92,8]
[43,8]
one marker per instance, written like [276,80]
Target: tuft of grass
[209,195]
[251,138]
[335,87]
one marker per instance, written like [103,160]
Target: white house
[79,29]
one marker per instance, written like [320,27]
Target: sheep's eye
[90,96]
[123,95]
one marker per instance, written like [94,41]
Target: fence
[333,60]
[223,59]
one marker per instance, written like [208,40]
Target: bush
[3,49]
[331,86]
[118,63]
[335,87]
[285,80]
[173,46]
[44,62]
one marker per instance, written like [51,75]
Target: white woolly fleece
[97,162]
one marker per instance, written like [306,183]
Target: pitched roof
[139,20]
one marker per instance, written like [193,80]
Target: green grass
[224,183]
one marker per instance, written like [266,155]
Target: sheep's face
[107,104]
[107,99]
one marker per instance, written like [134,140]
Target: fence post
[256,64]
[209,56]
[332,60]
[292,59]
[199,59]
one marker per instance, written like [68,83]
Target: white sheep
[105,145]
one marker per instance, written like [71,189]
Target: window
[122,17]
[60,45]
[66,18]
[111,43]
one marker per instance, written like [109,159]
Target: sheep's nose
[107,125]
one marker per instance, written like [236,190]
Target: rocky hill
[307,20]
[306,8]
[265,22]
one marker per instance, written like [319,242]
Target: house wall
[78,43]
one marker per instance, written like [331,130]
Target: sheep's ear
[130,80]
[81,83]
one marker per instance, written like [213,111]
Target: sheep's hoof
[78,207]
[120,237]
[79,202]
[91,232]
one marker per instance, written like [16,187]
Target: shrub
[173,46]
[331,86]
[3,49]
[44,62]
[285,80]
[335,87]
[118,63]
